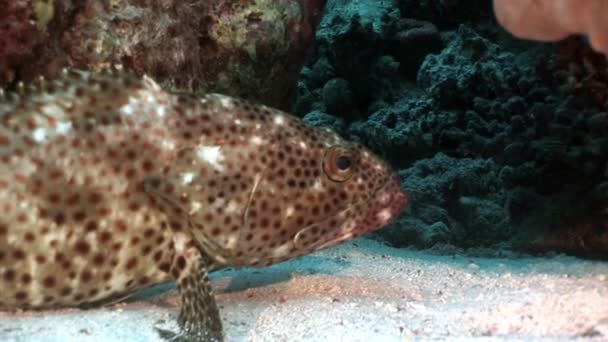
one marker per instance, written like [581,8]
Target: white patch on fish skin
[151,98]
[347,228]
[279,120]
[64,127]
[384,198]
[289,211]
[39,134]
[35,288]
[127,110]
[347,236]
[256,140]
[238,122]
[187,178]
[233,240]
[227,102]
[303,145]
[384,215]
[232,207]
[168,145]
[219,258]
[212,155]
[282,250]
[149,82]
[52,235]
[52,109]
[161,111]
[195,206]
[318,185]
[117,282]
[179,242]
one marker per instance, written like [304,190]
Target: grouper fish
[110,184]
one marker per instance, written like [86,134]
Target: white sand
[364,291]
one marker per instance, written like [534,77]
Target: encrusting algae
[109,184]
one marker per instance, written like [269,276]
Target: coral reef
[500,142]
[252,49]
[367,48]
[453,201]
[22,29]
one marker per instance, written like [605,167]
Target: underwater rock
[385,83]
[412,41]
[537,113]
[413,231]
[321,72]
[338,97]
[453,200]
[447,14]
[469,66]
[586,71]
[485,220]
[351,36]
[320,119]
[587,239]
[245,48]
[409,125]
[369,45]
[22,29]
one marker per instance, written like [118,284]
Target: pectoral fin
[199,317]
[184,212]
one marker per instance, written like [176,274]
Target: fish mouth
[387,202]
[381,208]
[391,198]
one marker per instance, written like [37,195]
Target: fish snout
[392,200]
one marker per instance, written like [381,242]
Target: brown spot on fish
[82,247]
[98,259]
[86,276]
[9,275]
[26,278]
[40,259]
[21,296]
[65,291]
[48,281]
[91,226]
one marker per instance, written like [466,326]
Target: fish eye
[338,163]
[343,162]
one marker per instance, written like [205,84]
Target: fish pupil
[343,162]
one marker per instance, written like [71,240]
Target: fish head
[264,187]
[316,190]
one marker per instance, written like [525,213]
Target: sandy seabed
[363,291]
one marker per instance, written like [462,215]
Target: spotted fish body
[109,184]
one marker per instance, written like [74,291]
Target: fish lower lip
[399,201]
